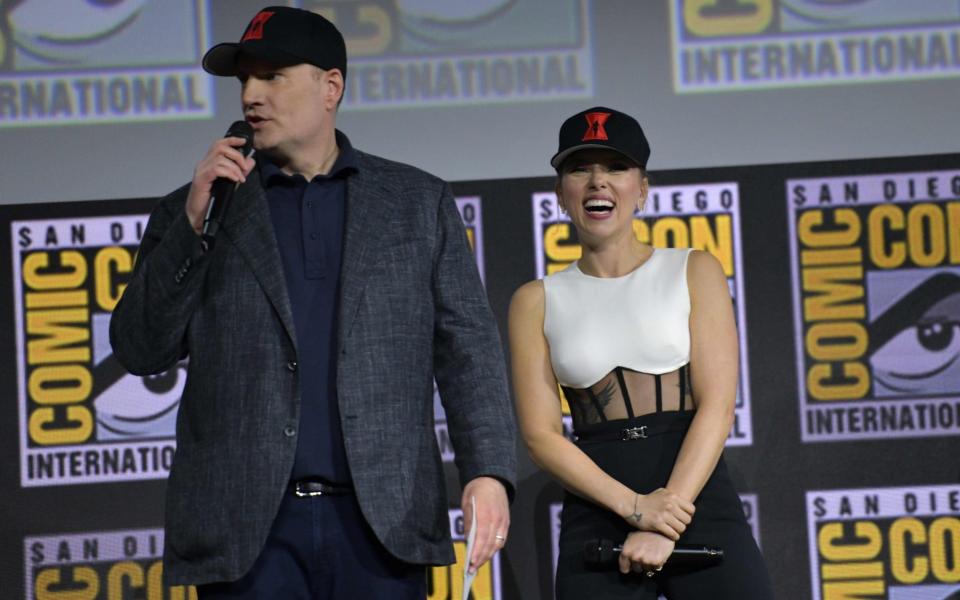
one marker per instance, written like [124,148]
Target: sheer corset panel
[624,394]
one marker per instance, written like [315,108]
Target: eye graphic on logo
[141,407]
[437,22]
[915,344]
[56,30]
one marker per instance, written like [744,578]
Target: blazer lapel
[370,202]
[250,228]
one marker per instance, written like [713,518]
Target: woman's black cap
[284,36]
[601,127]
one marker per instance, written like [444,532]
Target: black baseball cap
[285,36]
[601,127]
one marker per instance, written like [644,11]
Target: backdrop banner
[845,449]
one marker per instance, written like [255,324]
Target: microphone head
[598,551]
[242,129]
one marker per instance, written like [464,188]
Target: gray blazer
[412,307]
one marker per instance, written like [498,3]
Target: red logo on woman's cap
[255,28]
[595,130]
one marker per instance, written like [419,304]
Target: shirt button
[309,204]
[289,431]
[292,366]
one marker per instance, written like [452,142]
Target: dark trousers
[321,548]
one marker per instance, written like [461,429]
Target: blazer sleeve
[148,326]
[468,358]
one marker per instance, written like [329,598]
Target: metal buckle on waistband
[300,490]
[299,493]
[634,433]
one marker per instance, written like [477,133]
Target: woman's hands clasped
[645,552]
[661,511]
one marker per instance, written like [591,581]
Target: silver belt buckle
[299,493]
[634,433]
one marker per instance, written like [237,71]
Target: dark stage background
[845,449]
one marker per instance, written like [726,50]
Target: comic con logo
[731,44]
[437,52]
[83,418]
[446,582]
[885,542]
[471,215]
[876,279]
[705,217]
[119,565]
[74,61]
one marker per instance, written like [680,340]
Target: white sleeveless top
[639,321]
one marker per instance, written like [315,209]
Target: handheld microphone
[221,193]
[604,552]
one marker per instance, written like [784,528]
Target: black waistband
[312,487]
[637,428]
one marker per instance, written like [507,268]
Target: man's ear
[332,88]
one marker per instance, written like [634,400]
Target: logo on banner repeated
[446,582]
[441,52]
[705,217]
[79,61]
[744,44]
[896,543]
[471,214]
[876,287]
[748,501]
[83,418]
[98,565]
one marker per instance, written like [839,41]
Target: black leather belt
[306,488]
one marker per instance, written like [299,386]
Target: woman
[643,343]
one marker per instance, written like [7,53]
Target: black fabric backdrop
[870,512]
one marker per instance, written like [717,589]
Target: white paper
[467,576]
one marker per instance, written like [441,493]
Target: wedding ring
[499,537]
[658,569]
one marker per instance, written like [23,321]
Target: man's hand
[222,160]
[493,518]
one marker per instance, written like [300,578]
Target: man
[339,286]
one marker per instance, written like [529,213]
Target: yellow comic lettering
[122,577]
[50,578]
[742,16]
[107,264]
[903,533]
[64,384]
[882,220]
[718,242]
[73,275]
[945,549]
[671,232]
[925,235]
[821,386]
[845,233]
[77,429]
[59,331]
[559,254]
[868,545]
[837,341]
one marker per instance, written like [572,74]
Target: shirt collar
[347,163]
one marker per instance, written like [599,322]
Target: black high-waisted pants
[645,465]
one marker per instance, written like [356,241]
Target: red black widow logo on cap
[255,29]
[595,130]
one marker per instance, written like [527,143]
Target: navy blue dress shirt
[308,221]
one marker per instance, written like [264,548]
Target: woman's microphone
[601,552]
